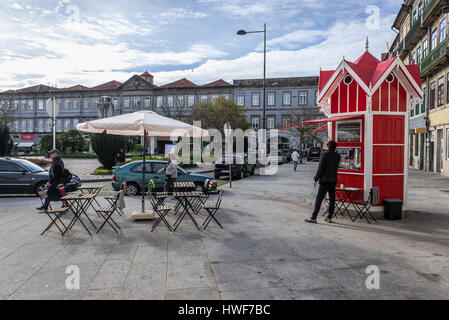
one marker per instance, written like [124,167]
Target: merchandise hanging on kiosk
[367,103]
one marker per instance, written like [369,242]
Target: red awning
[332,119]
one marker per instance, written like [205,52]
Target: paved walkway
[265,252]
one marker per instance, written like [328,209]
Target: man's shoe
[328,220]
[311,220]
[41,209]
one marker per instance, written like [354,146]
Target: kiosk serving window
[351,158]
[350,131]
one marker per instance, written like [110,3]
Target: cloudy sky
[68,42]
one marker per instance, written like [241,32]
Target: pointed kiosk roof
[369,73]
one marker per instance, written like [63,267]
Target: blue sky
[92,42]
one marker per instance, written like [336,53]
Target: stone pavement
[265,252]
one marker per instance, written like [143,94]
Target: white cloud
[175,14]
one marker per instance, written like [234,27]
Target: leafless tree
[6,106]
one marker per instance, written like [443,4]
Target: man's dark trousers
[325,187]
[53,194]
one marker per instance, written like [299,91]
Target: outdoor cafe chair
[363,207]
[107,212]
[161,210]
[55,217]
[212,210]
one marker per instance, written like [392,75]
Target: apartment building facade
[286,98]
[422,27]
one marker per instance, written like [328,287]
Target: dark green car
[131,173]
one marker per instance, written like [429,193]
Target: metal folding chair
[212,211]
[57,213]
[107,212]
[363,207]
[161,210]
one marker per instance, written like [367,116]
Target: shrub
[106,147]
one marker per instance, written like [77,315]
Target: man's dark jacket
[328,169]
[56,171]
[121,157]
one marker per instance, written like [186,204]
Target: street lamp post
[242,33]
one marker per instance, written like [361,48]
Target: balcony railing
[430,9]
[414,35]
[437,55]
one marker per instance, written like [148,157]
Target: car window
[138,168]
[6,166]
[31,166]
[158,166]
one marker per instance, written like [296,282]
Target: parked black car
[314,153]
[239,169]
[18,176]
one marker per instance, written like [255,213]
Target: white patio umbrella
[142,123]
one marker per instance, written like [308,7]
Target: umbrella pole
[144,169]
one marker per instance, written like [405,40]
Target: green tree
[4,139]
[73,140]
[216,113]
[45,143]
[106,147]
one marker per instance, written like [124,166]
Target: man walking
[171,173]
[295,158]
[56,177]
[326,176]
[120,158]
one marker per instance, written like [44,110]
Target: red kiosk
[367,105]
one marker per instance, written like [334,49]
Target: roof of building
[36,89]
[181,83]
[146,74]
[218,83]
[369,69]
[77,87]
[111,85]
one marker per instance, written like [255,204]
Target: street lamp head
[241,32]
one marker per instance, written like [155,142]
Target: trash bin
[393,209]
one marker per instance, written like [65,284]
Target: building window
[48,125]
[412,58]
[180,101]
[191,101]
[75,123]
[30,125]
[67,124]
[24,105]
[303,98]
[204,99]
[441,91]
[255,122]
[159,101]
[30,105]
[425,46]
[147,102]
[414,17]
[443,30]
[287,98]
[40,125]
[424,100]
[418,56]
[432,96]
[76,104]
[67,104]
[136,102]
[241,100]
[271,120]
[255,99]
[115,103]
[24,126]
[170,101]
[419,9]
[271,99]
[286,121]
[40,104]
[434,39]
[126,103]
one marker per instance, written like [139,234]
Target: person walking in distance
[56,177]
[295,158]
[326,176]
[120,158]
[171,173]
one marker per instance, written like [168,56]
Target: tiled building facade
[422,38]
[287,99]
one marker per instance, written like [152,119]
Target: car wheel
[242,174]
[132,189]
[40,188]
[253,171]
